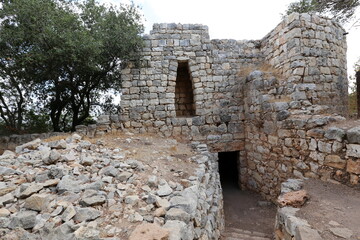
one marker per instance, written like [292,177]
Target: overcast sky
[235,19]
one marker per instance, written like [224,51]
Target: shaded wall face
[310,52]
[303,73]
[184,96]
[208,107]
[282,143]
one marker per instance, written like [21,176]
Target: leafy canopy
[65,53]
[341,11]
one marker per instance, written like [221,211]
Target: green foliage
[89,121]
[36,122]
[303,6]
[353,102]
[353,96]
[65,54]
[341,11]
[33,122]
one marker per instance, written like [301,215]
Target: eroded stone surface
[147,231]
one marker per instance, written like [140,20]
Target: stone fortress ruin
[277,106]
[269,100]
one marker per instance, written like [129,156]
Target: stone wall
[310,52]
[307,51]
[208,219]
[105,124]
[284,140]
[148,101]
[262,98]
[10,142]
[288,225]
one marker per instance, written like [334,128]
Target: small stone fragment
[86,161]
[24,219]
[135,217]
[4,212]
[160,212]
[93,200]
[294,199]
[86,214]
[61,144]
[147,231]
[109,171]
[37,202]
[6,190]
[177,214]
[124,176]
[164,190]
[342,232]
[30,145]
[161,202]
[33,188]
[69,213]
[131,200]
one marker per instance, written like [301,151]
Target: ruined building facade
[259,98]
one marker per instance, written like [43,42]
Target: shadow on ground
[244,210]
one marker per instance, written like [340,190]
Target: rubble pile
[74,189]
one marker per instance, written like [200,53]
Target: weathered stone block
[324,147]
[353,150]
[353,166]
[353,135]
[335,161]
[335,133]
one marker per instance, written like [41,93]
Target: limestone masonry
[269,99]
[280,102]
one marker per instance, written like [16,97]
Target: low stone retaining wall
[287,225]
[285,139]
[104,124]
[202,204]
[316,210]
[12,141]
[209,218]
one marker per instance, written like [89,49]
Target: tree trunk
[357,75]
[55,120]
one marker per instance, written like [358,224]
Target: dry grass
[283,98]
[264,67]
[56,138]
[347,124]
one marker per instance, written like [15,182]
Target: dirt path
[331,206]
[243,209]
[248,211]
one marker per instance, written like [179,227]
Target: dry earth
[332,206]
[102,188]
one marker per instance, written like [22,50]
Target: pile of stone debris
[74,189]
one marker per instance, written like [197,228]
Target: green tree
[67,52]
[341,11]
[357,85]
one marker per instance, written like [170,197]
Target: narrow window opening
[184,97]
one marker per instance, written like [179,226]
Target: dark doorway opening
[184,96]
[247,214]
[228,169]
